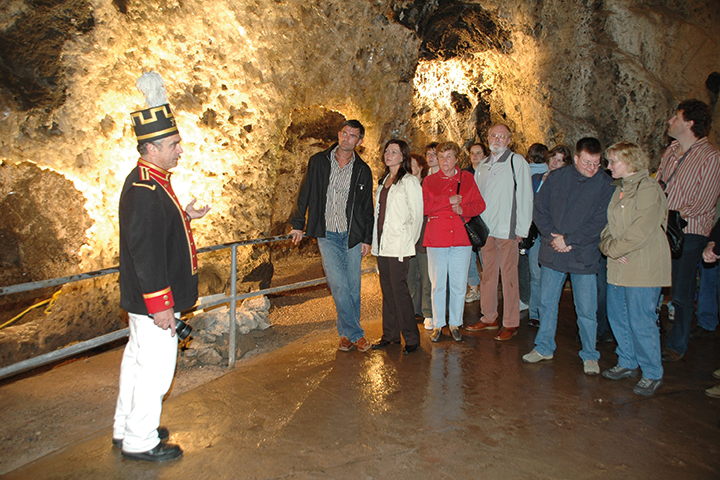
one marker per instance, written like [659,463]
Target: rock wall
[259,85]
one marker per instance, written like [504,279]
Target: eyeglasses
[590,164]
[499,137]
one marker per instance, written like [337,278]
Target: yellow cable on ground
[51,301]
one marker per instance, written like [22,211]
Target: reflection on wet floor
[455,410]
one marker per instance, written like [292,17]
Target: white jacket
[403,219]
[495,182]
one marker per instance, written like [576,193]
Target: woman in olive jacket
[639,265]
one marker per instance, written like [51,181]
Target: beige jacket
[637,216]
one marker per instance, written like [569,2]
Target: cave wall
[555,71]
[259,85]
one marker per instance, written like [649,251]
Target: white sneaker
[428,324]
[472,296]
[591,367]
[523,306]
[535,356]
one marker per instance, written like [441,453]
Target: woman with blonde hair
[638,266]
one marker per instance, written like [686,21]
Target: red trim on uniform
[159,301]
[163,178]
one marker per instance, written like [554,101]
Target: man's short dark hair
[354,124]
[588,144]
[431,146]
[700,114]
[142,147]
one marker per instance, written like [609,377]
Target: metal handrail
[52,282]
[79,347]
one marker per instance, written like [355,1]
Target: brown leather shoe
[506,333]
[480,326]
[671,355]
[363,345]
[345,344]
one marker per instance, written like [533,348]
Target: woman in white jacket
[398,221]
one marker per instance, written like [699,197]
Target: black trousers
[398,310]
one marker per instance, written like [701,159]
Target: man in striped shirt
[336,194]
[689,173]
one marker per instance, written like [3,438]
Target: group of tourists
[555,216]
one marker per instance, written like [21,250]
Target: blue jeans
[342,269]
[585,298]
[633,319]
[446,268]
[473,279]
[707,305]
[535,273]
[683,291]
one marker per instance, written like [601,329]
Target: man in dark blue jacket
[336,194]
[570,212]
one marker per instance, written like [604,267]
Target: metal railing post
[233,304]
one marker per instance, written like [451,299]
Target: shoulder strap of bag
[665,184]
[458,192]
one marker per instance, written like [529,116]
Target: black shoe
[161,453]
[534,322]
[419,318]
[409,349]
[700,332]
[382,344]
[163,433]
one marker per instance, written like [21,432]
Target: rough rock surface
[259,85]
[210,338]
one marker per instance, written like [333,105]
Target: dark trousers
[398,311]
[683,291]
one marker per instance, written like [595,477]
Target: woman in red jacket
[450,197]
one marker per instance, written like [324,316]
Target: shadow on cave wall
[31,67]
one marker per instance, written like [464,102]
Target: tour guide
[158,277]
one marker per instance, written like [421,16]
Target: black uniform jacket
[158,266]
[312,198]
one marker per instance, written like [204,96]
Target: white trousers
[146,372]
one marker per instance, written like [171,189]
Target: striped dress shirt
[695,187]
[337,195]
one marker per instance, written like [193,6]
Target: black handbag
[477,230]
[675,222]
[675,234]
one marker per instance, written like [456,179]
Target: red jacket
[444,227]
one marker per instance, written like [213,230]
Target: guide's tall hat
[156,121]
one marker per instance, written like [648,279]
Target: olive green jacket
[637,217]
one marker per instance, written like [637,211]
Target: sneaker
[646,387]
[345,344]
[472,296]
[506,333]
[428,324]
[716,374]
[435,335]
[713,392]
[523,306]
[480,326]
[535,357]
[455,333]
[617,372]
[591,367]
[363,345]
[534,322]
